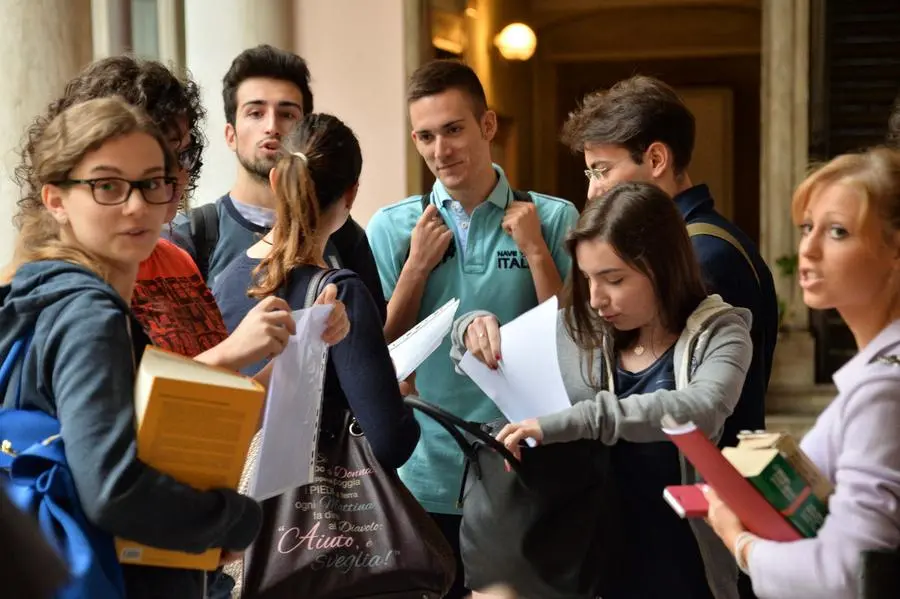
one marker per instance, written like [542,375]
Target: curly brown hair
[169,99]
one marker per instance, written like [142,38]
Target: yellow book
[195,423]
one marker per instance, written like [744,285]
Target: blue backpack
[38,480]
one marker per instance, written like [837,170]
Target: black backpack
[204,222]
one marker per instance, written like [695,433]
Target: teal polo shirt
[488,274]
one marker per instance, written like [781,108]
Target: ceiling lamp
[516,42]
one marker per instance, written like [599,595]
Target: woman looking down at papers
[849,218]
[638,338]
[315,182]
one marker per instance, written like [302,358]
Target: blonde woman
[849,260]
[103,170]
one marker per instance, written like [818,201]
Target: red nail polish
[498,357]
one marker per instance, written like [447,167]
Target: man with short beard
[266,92]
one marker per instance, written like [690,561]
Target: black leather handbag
[548,527]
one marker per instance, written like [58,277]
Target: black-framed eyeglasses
[110,191]
[189,157]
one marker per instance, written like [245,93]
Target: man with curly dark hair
[172,102]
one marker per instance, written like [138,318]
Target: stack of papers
[409,351]
[289,436]
[290,431]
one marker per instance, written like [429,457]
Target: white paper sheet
[290,428]
[528,383]
[409,351]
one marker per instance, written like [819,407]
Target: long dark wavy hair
[644,227]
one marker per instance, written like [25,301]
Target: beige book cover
[194,422]
[787,446]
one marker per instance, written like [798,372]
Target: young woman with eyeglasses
[171,300]
[100,188]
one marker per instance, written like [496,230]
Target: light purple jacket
[856,443]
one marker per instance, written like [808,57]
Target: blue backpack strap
[18,350]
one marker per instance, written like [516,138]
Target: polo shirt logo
[510,259]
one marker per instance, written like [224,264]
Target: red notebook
[745,501]
[688,501]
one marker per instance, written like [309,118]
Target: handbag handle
[454,424]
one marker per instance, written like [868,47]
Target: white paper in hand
[528,383]
[290,430]
[409,351]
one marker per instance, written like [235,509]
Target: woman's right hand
[262,334]
[512,435]
[482,339]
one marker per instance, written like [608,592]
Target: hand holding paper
[290,427]
[483,341]
[409,351]
[338,324]
[528,382]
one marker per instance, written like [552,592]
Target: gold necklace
[638,350]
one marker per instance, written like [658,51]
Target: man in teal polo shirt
[473,238]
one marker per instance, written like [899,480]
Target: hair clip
[301,156]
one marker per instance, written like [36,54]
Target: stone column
[170,19]
[365,85]
[215,32]
[785,133]
[44,43]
